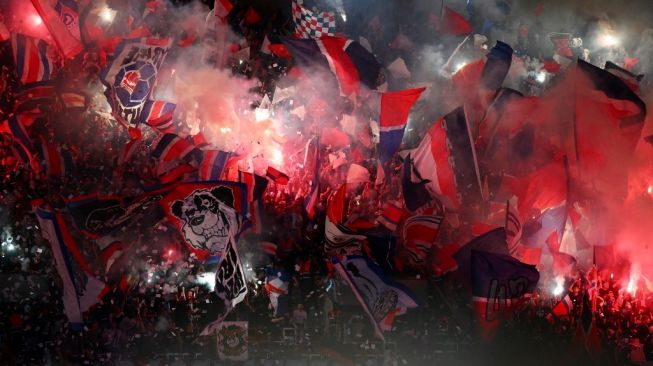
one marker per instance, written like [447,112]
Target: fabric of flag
[493,241]
[626,76]
[230,284]
[158,114]
[32,59]
[276,285]
[222,8]
[56,161]
[498,282]
[180,173]
[381,298]
[98,216]
[451,22]
[390,216]
[268,248]
[395,108]
[233,341]
[540,190]
[313,157]
[446,158]
[563,264]
[277,176]
[348,60]
[23,147]
[513,226]
[561,309]
[61,17]
[309,24]
[213,165]
[131,75]
[207,215]
[415,194]
[339,239]
[172,147]
[256,186]
[34,95]
[80,288]
[111,253]
[73,100]
[420,231]
[129,150]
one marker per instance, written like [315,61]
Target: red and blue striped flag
[32,59]
[213,164]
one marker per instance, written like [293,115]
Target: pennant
[230,284]
[381,298]
[310,24]
[498,283]
[61,17]
[446,161]
[80,288]
[208,215]
[131,75]
[347,60]
[32,59]
[393,117]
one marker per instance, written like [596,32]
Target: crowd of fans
[155,306]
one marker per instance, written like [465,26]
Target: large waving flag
[447,159]
[498,283]
[339,239]
[277,282]
[348,60]
[56,160]
[22,144]
[420,232]
[310,24]
[451,22]
[172,147]
[207,214]
[213,164]
[131,75]
[35,96]
[158,114]
[61,17]
[395,108]
[381,297]
[80,288]
[33,59]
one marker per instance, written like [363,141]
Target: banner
[232,341]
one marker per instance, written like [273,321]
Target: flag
[498,283]
[310,24]
[513,226]
[208,215]
[528,255]
[80,288]
[540,190]
[313,156]
[348,60]
[357,174]
[32,59]
[630,79]
[338,237]
[447,159]
[131,75]
[277,176]
[61,17]
[158,114]
[381,298]
[230,284]
[561,44]
[172,147]
[256,186]
[393,116]
[561,309]
[213,165]
[129,150]
[276,285]
[416,194]
[390,216]
[493,241]
[56,160]
[451,23]
[98,216]
[34,95]
[111,253]
[233,341]
[420,231]
[22,144]
[268,248]
[563,263]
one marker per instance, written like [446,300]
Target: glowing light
[261,114]
[107,15]
[541,77]
[558,289]
[460,66]
[207,279]
[649,190]
[225,129]
[36,20]
[10,247]
[632,286]
[344,17]
[170,251]
[149,277]
[277,157]
[608,40]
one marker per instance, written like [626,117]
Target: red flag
[277,176]
[252,16]
[451,23]
[542,189]
[552,242]
[279,50]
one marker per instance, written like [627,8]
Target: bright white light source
[207,279]
[344,17]
[107,15]
[460,66]
[541,77]
[632,286]
[277,157]
[10,247]
[558,289]
[649,190]
[169,252]
[261,114]
[608,40]
[36,20]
